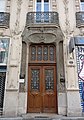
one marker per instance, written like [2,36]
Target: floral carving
[16,31]
[67,23]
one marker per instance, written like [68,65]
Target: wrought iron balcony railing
[42,17]
[4,19]
[80,19]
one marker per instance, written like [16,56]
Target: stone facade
[21,36]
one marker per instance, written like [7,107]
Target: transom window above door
[42,53]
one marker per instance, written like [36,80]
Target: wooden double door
[42,95]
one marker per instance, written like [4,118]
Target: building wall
[68,92]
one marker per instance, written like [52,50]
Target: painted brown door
[42,94]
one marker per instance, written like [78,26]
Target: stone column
[12,82]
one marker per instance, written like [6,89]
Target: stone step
[17,118]
[44,118]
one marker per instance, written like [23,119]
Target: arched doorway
[42,91]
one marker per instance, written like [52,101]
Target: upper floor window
[2,5]
[82,5]
[42,5]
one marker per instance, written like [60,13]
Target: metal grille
[42,17]
[80,19]
[2,87]
[4,19]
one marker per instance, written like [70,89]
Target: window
[42,53]
[4,45]
[2,5]
[42,6]
[82,5]
[42,11]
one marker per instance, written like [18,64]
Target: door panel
[49,90]
[34,91]
[42,89]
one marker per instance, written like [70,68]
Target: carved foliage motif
[77,5]
[67,23]
[16,31]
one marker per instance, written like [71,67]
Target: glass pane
[4,45]
[2,5]
[46,17]
[38,17]
[38,11]
[82,6]
[38,7]
[51,56]
[82,0]
[45,53]
[38,0]
[33,53]
[49,79]
[46,0]
[46,6]
[39,53]
[35,79]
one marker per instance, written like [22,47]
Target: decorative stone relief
[54,5]
[12,82]
[30,5]
[67,23]
[46,38]
[68,33]
[8,5]
[16,31]
[77,5]
[46,35]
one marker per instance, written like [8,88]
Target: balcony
[37,18]
[79,19]
[4,20]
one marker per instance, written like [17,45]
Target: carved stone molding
[16,30]
[77,5]
[67,22]
[45,35]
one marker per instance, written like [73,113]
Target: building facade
[41,57]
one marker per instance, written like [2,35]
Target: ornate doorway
[42,94]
